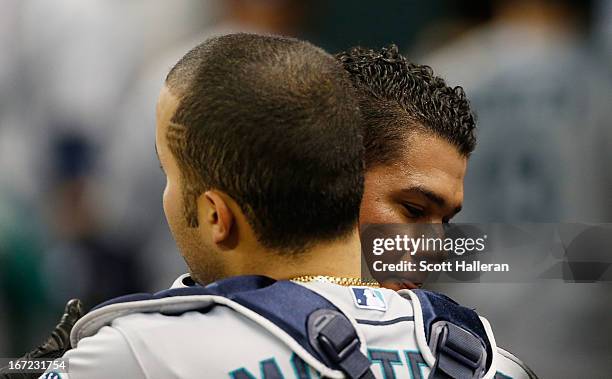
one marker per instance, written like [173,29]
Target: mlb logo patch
[51,375]
[369,298]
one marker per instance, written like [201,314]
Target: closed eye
[414,212]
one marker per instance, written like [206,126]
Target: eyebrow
[431,195]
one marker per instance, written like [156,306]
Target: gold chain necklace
[343,281]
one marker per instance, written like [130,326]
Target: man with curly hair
[418,135]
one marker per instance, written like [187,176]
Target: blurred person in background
[102,266]
[542,98]
[603,29]
[64,65]
[24,305]
[542,101]
[24,299]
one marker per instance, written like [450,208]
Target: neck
[340,258]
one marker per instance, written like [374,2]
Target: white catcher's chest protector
[283,330]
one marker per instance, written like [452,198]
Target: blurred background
[80,186]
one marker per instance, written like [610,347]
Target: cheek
[378,208]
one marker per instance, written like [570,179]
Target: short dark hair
[397,97]
[274,123]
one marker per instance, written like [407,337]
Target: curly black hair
[397,97]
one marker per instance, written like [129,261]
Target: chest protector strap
[456,337]
[315,329]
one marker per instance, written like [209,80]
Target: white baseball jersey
[217,339]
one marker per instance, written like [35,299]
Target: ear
[218,215]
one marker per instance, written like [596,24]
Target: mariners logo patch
[368,298]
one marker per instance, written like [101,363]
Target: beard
[201,257]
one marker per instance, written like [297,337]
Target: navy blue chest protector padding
[437,307]
[288,306]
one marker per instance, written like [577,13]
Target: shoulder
[160,345]
[432,308]
[509,366]
[108,354]
[206,326]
